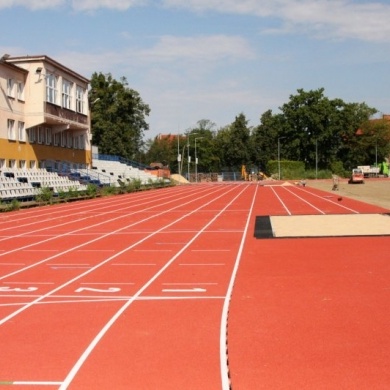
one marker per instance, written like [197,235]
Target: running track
[168,289]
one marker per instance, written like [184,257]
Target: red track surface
[170,290]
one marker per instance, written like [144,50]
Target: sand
[373,191]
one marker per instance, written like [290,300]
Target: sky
[212,59]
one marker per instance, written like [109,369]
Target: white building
[44,115]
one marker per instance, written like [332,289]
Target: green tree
[263,140]
[117,116]
[372,142]
[233,144]
[204,133]
[314,128]
[162,149]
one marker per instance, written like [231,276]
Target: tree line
[322,133]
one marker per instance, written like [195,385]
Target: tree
[204,133]
[372,142]
[117,116]
[317,129]
[233,144]
[263,139]
[162,150]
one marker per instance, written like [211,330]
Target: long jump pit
[334,225]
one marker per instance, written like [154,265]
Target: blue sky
[212,59]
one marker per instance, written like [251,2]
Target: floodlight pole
[196,161]
[279,155]
[188,154]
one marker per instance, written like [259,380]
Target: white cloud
[32,4]
[171,51]
[120,5]
[78,5]
[335,19]
[341,19]
[197,49]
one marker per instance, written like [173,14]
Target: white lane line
[67,264]
[225,377]
[170,243]
[210,250]
[30,383]
[40,250]
[190,284]
[305,201]
[184,290]
[152,250]
[132,264]
[83,357]
[70,267]
[145,200]
[280,200]
[27,282]
[116,299]
[108,283]
[95,250]
[201,264]
[331,201]
[100,237]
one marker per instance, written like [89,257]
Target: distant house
[44,115]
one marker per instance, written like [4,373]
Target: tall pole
[316,159]
[376,153]
[188,154]
[196,161]
[178,154]
[279,154]
[188,157]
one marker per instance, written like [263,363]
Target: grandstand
[26,184]
[121,171]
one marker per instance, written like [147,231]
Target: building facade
[44,115]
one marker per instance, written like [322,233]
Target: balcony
[55,114]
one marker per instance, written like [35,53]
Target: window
[48,136]
[81,141]
[57,139]
[11,129]
[20,90]
[69,140]
[63,138]
[41,135]
[80,100]
[33,164]
[32,135]
[75,142]
[21,132]
[51,88]
[66,94]
[12,163]
[10,88]
[22,164]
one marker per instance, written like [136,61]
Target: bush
[91,190]
[321,174]
[13,205]
[108,190]
[338,169]
[45,195]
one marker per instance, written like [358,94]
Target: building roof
[47,59]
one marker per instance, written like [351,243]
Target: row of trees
[310,127]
